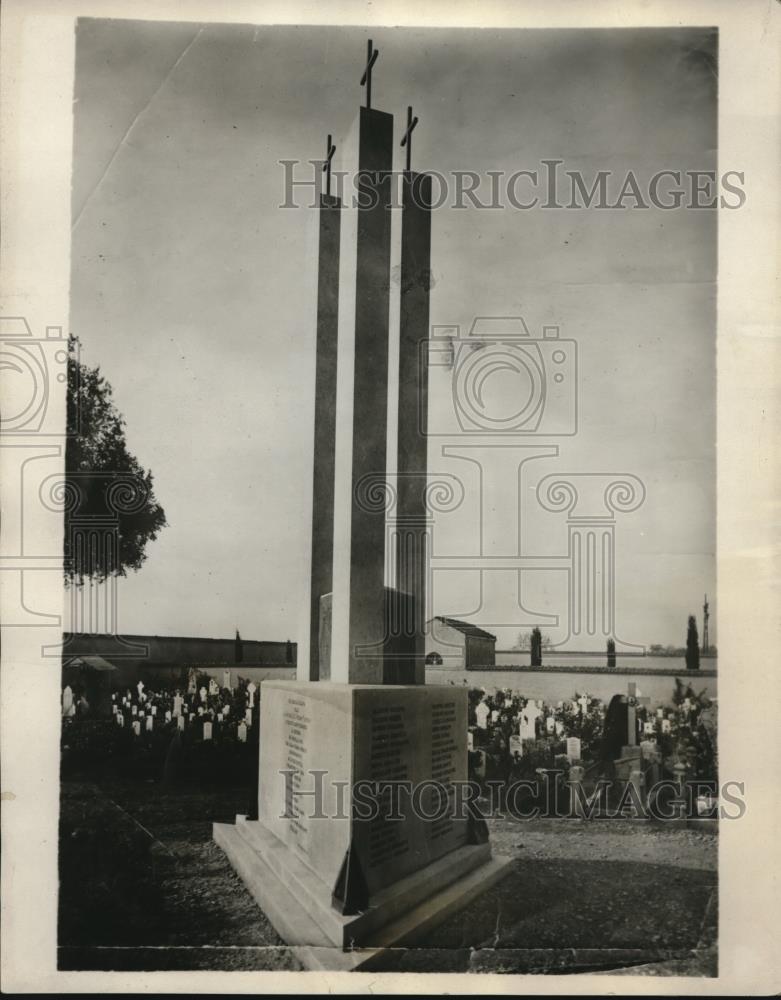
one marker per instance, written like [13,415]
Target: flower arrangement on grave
[588,726]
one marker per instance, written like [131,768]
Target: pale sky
[196,294]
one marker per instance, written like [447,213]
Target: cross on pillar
[366,79]
[330,149]
[406,139]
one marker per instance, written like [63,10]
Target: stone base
[299,904]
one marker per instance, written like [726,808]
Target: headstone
[648,727]
[149,723]
[178,704]
[134,709]
[248,716]
[140,688]
[180,722]
[251,689]
[576,774]
[559,727]
[226,680]
[481,713]
[200,710]
[207,730]
[649,749]
[495,715]
[550,724]
[666,725]
[68,708]
[203,693]
[213,687]
[226,709]
[659,713]
[120,719]
[583,702]
[516,745]
[528,727]
[154,709]
[573,748]
[242,732]
[137,728]
[113,709]
[470,740]
[168,715]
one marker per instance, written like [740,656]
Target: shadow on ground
[143,887]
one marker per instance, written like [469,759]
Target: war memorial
[360,713]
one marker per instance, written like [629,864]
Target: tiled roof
[465,627]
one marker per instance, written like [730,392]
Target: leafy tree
[611,652]
[692,645]
[111,511]
[524,641]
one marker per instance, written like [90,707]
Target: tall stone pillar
[412,515]
[325,424]
[357,608]
[367,621]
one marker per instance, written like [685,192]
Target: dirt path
[144,887]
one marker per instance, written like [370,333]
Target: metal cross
[366,79]
[329,155]
[407,137]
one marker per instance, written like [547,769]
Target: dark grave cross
[406,139]
[366,79]
[330,149]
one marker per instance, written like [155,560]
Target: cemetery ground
[143,887]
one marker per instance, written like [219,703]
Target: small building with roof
[458,645]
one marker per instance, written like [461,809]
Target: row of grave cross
[366,81]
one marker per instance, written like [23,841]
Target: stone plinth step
[298,904]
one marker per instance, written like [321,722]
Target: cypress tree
[692,645]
